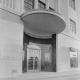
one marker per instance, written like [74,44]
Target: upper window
[28,4]
[41,5]
[72,3]
[8,3]
[72,26]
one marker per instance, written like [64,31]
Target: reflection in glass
[36,63]
[30,63]
[46,64]
[33,58]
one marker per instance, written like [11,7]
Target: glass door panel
[33,59]
[36,60]
[30,61]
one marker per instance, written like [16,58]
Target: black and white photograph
[39,39]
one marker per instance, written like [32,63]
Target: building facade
[26,47]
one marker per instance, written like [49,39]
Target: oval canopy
[43,23]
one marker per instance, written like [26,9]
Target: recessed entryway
[39,54]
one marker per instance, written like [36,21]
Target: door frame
[39,62]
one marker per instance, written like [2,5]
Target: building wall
[14,6]
[11,44]
[63,56]
[66,39]
[64,12]
[78,17]
[11,37]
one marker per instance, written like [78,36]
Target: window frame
[41,3]
[28,5]
[72,26]
[72,4]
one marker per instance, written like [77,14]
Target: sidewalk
[47,76]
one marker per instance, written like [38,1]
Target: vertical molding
[58,7]
[21,1]
[57,52]
[22,6]
[4,2]
[9,3]
[25,43]
[0,1]
[47,4]
[25,58]
[35,4]
[12,4]
[76,5]
[68,17]
[40,61]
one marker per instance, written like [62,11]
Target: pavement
[46,76]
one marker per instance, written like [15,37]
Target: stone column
[54,53]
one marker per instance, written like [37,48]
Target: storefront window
[73,59]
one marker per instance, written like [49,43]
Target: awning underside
[43,23]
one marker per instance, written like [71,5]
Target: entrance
[39,54]
[33,58]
